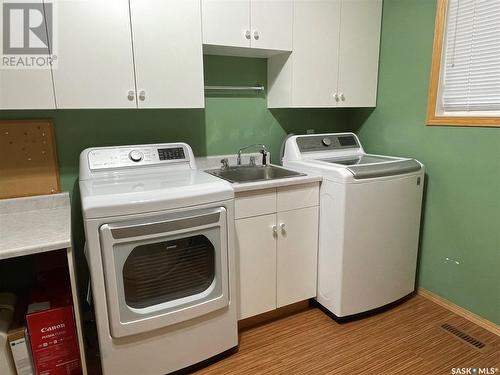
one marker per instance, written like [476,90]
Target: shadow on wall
[321,120]
[78,233]
[422,227]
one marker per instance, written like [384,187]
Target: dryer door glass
[164,271]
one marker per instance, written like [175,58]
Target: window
[464,88]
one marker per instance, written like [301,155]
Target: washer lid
[371,166]
[357,159]
[142,193]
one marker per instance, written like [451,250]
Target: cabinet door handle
[336,97]
[247,34]
[275,230]
[256,35]
[283,228]
[342,97]
[131,95]
[142,95]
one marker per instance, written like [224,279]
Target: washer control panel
[171,153]
[135,155]
[122,157]
[327,142]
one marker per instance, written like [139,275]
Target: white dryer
[160,241]
[369,221]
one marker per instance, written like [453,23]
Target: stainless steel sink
[242,174]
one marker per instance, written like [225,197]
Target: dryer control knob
[135,155]
[327,141]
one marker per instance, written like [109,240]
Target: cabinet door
[168,53]
[297,255]
[359,52]
[95,65]
[271,24]
[256,265]
[24,88]
[225,22]
[315,52]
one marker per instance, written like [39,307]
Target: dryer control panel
[327,142]
[135,156]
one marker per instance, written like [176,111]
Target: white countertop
[34,225]
[213,162]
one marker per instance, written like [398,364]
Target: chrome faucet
[263,151]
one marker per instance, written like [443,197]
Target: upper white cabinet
[99,42]
[359,53]
[25,88]
[335,56]
[226,22]
[247,27]
[95,67]
[271,24]
[168,53]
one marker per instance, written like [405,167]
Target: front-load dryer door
[165,269]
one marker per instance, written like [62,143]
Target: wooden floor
[407,339]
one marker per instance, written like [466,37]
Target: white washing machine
[160,243]
[369,221]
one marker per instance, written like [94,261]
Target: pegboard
[28,158]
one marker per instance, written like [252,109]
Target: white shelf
[34,225]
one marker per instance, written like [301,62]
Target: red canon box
[54,343]
[51,326]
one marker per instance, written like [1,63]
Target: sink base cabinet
[256,267]
[297,256]
[276,251]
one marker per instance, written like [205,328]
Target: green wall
[462,202]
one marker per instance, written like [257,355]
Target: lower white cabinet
[297,255]
[257,264]
[276,252]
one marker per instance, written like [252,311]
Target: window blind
[471,54]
